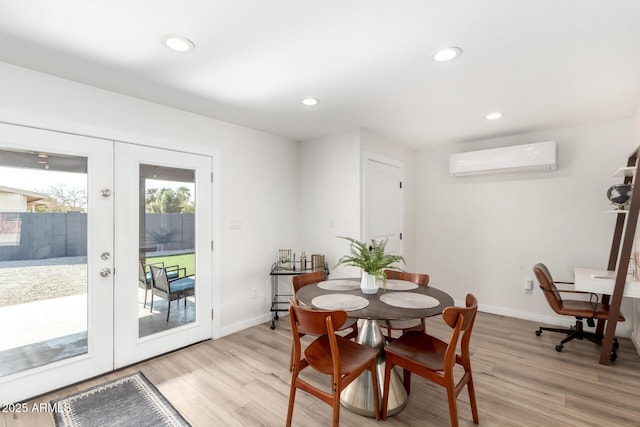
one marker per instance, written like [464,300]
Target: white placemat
[340,302]
[398,285]
[409,300]
[339,285]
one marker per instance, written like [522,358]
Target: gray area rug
[128,401]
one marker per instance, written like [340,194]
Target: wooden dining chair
[435,360]
[318,276]
[411,324]
[330,354]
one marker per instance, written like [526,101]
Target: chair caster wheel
[538,332]
[559,348]
[613,357]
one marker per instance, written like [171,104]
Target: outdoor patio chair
[144,277]
[171,289]
[144,282]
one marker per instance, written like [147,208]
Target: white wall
[255,175]
[483,234]
[330,200]
[329,195]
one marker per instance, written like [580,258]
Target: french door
[76,219]
[163,216]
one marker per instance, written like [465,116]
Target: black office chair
[580,309]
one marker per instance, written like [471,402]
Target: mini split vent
[538,157]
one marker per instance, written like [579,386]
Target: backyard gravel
[33,280]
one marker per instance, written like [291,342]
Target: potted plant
[372,260]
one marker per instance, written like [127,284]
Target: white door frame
[99,358]
[129,348]
[371,157]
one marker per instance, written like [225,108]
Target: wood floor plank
[243,380]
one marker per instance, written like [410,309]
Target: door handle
[105,272]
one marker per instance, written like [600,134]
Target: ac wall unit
[540,156]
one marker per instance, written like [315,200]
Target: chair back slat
[450,314]
[142,276]
[546,284]
[159,277]
[314,322]
[302,280]
[420,279]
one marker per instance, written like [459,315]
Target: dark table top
[378,310]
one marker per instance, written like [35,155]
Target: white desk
[602,282]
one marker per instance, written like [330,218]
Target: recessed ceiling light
[178,43]
[447,54]
[43,155]
[309,102]
[493,116]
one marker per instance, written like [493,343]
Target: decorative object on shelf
[317,262]
[303,261]
[620,195]
[372,260]
[284,258]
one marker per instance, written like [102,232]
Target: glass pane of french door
[163,284]
[52,299]
[166,248]
[43,259]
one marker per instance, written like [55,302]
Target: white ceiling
[543,63]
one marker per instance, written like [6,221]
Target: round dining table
[400,300]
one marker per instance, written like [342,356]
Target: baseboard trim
[240,326]
[622,330]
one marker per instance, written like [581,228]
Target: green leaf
[370,258]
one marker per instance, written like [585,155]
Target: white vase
[369,283]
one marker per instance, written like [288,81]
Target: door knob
[105,255]
[105,192]
[105,272]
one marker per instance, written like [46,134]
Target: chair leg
[453,409]
[292,397]
[385,390]
[146,291]
[151,306]
[573,336]
[291,360]
[376,393]
[407,380]
[168,308]
[472,399]
[336,403]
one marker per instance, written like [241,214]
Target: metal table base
[358,396]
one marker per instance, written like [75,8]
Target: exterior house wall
[12,202]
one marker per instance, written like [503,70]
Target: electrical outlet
[528,285]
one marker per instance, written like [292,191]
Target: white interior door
[56,290]
[383,202]
[163,217]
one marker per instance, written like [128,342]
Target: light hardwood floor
[243,380]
